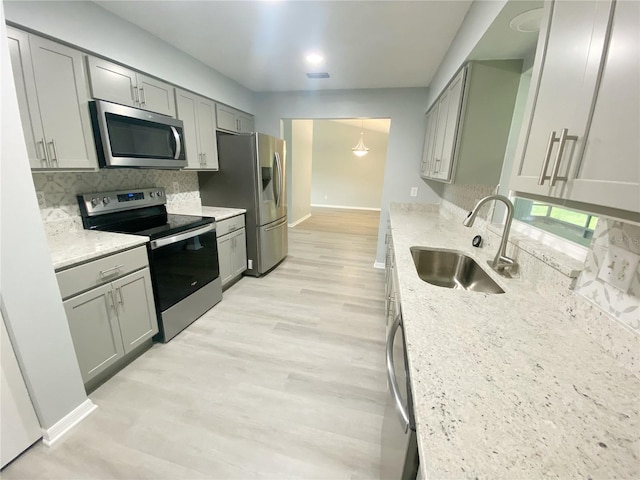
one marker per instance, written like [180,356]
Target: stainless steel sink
[452,270]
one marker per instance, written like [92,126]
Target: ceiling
[262,44]
[375,124]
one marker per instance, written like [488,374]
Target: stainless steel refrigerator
[252,176]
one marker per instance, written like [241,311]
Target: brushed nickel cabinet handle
[53,153]
[136,97]
[120,299]
[564,136]
[547,157]
[113,303]
[143,97]
[44,158]
[110,271]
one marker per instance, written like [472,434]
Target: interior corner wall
[478,19]
[29,294]
[91,27]
[340,178]
[301,159]
[406,107]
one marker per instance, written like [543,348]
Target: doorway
[323,171]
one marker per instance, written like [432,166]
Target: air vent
[318,75]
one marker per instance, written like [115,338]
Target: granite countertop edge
[506,385]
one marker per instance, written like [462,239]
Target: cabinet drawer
[89,275]
[229,225]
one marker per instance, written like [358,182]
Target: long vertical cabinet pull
[564,136]
[113,303]
[547,157]
[120,299]
[53,153]
[45,158]
[143,97]
[135,96]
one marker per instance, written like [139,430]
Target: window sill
[562,255]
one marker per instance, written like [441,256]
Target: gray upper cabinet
[609,172]
[580,143]
[468,125]
[232,120]
[199,117]
[53,100]
[118,84]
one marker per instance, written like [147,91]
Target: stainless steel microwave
[130,137]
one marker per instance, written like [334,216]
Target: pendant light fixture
[360,150]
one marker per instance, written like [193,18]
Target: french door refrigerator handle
[391,376]
[277,158]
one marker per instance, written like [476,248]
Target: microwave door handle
[176,137]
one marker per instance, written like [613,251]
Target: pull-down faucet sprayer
[501,261]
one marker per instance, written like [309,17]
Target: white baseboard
[378,265]
[62,426]
[308,215]
[345,207]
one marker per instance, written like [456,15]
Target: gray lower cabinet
[232,248]
[110,320]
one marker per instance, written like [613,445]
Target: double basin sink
[451,269]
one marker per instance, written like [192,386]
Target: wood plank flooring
[282,380]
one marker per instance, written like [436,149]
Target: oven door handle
[163,242]
[391,376]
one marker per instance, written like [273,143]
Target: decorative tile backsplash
[57,191]
[466,196]
[611,241]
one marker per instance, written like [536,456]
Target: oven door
[130,137]
[183,263]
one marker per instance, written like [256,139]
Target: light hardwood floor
[284,379]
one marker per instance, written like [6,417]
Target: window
[563,222]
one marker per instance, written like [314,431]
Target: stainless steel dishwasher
[399,454]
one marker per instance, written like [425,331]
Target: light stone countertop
[505,385]
[75,247]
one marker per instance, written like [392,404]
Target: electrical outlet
[414,191]
[249,264]
[619,267]
[176,187]
[40,197]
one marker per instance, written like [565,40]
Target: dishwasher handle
[391,375]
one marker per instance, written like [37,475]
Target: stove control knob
[159,193]
[106,200]
[152,194]
[94,202]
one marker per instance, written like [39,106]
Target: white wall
[405,107]
[32,308]
[339,177]
[93,28]
[476,22]
[301,159]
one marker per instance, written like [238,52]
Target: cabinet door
[440,127]
[609,173]
[226,118]
[239,252]
[567,76]
[245,123]
[207,133]
[20,54]
[429,138]
[453,107]
[136,311]
[186,104]
[113,83]
[155,95]
[63,98]
[225,256]
[94,329]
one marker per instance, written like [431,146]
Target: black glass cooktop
[174,224]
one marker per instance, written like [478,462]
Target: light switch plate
[619,268]
[414,191]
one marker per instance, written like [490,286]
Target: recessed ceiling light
[527,22]
[314,58]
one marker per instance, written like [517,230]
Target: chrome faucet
[501,262]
